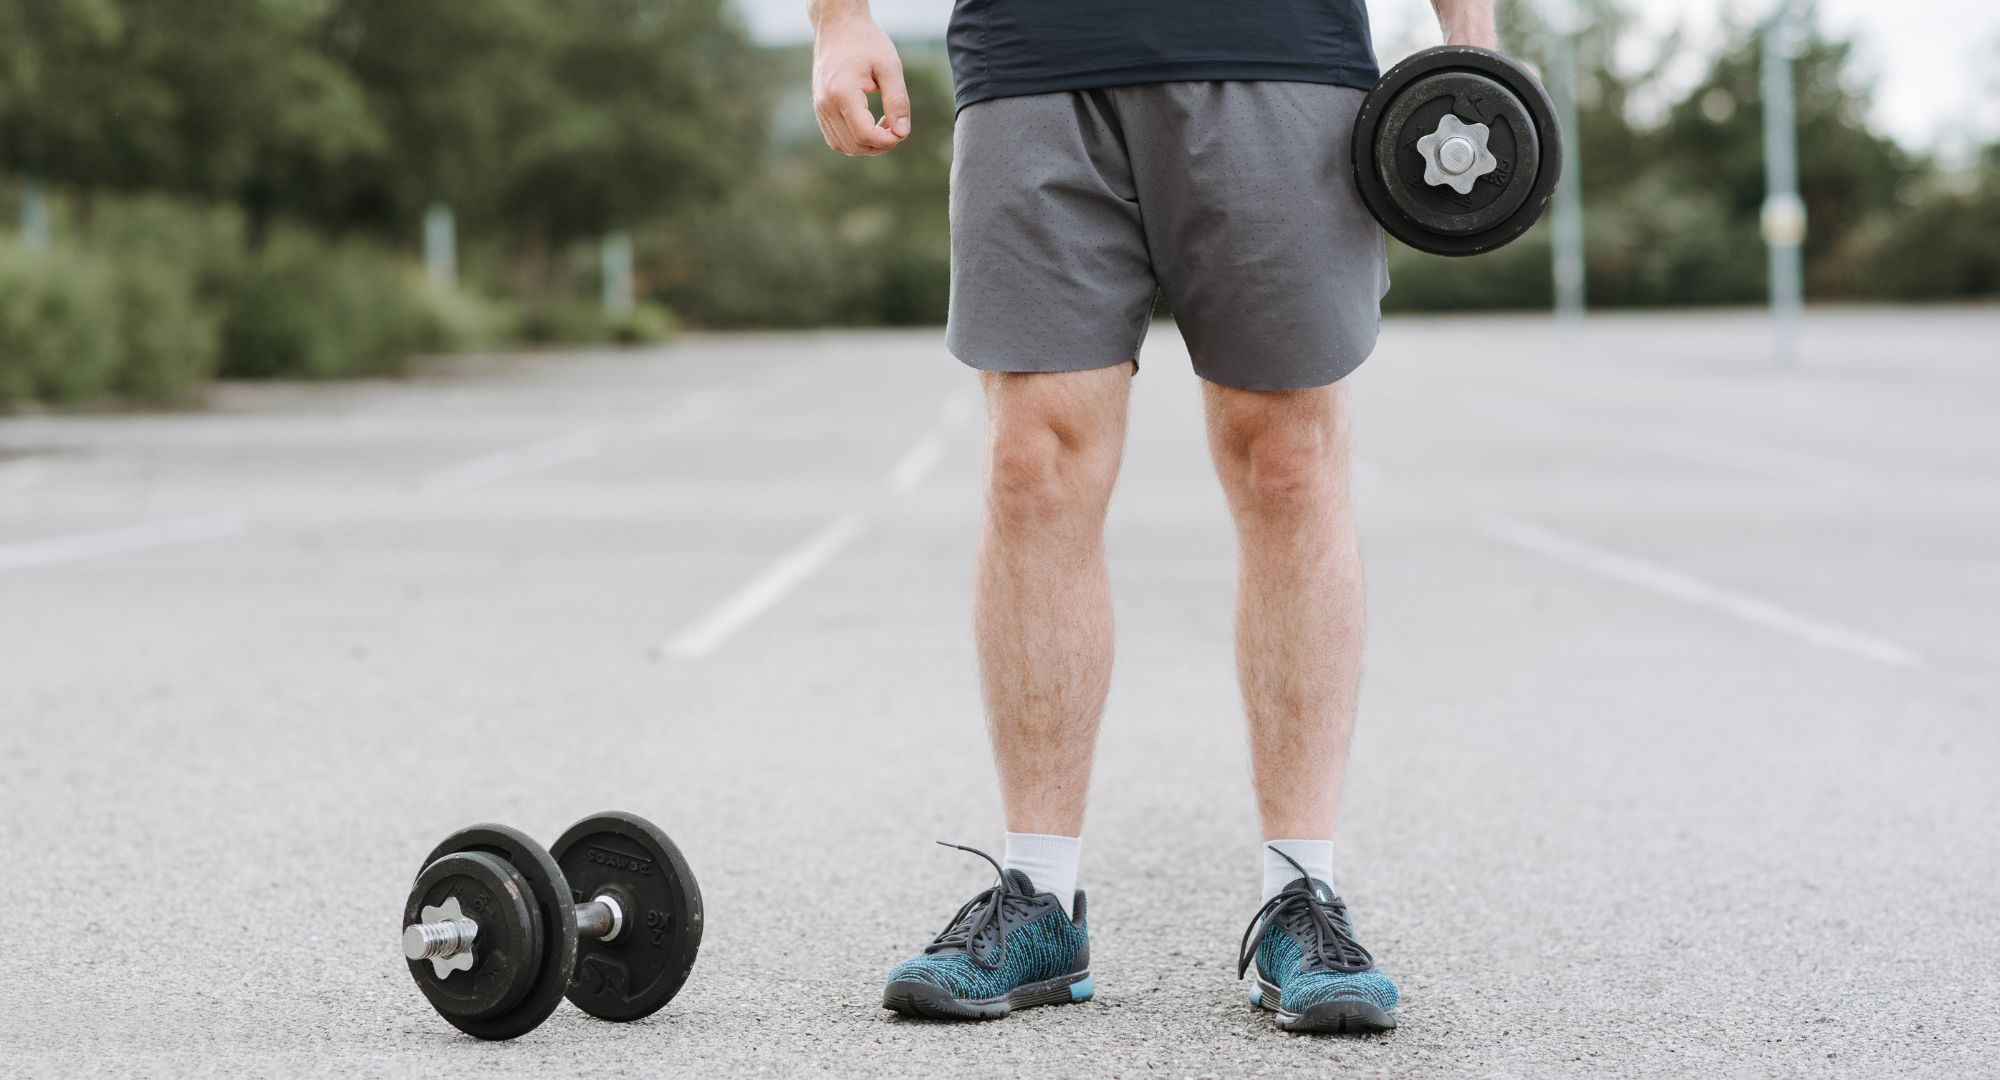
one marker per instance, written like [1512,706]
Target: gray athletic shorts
[1236,199]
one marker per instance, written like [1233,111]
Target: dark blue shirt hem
[1358,76]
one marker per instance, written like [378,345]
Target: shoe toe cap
[932,972]
[1319,987]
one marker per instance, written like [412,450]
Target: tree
[1713,141]
[225,99]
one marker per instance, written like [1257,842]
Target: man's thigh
[1272,266]
[1049,269]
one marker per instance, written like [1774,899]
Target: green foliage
[578,322]
[203,157]
[1941,249]
[814,238]
[59,334]
[232,99]
[308,310]
[460,319]
[1515,276]
[551,124]
[205,241]
[166,342]
[1655,243]
[1671,209]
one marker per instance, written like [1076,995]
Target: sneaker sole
[1341,1016]
[928,1001]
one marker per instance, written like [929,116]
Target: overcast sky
[1935,63]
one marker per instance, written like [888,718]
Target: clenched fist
[853,58]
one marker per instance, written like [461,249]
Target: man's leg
[1042,611]
[1282,458]
[1042,615]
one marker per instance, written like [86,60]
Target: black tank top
[1004,48]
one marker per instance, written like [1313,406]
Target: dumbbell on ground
[497,929]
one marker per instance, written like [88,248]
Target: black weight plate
[506,950]
[644,966]
[1372,172]
[555,921]
[1511,139]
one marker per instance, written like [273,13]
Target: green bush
[1515,276]
[167,343]
[316,311]
[460,319]
[1659,243]
[581,322]
[59,332]
[1941,248]
[758,261]
[205,242]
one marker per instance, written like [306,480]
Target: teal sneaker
[1310,970]
[1008,948]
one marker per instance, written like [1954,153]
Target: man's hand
[853,58]
[1467,22]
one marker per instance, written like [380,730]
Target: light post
[1783,220]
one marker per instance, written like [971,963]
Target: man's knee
[1055,441]
[1281,457]
[1035,474]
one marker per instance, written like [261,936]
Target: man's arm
[1467,22]
[853,58]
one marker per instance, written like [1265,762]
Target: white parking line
[1673,584]
[152,534]
[917,463]
[764,591]
[489,469]
[768,589]
[958,408]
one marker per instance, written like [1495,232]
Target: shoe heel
[1082,989]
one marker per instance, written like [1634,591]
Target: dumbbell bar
[449,941]
[497,930]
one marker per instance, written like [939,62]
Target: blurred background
[417,412]
[574,172]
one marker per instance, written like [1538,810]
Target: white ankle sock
[1315,855]
[1049,861]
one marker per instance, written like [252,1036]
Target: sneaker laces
[988,910]
[1320,926]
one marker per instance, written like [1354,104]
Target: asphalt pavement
[1677,756]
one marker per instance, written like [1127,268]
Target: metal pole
[618,274]
[600,919]
[1783,220]
[441,247]
[1566,220]
[34,216]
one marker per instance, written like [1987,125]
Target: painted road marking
[918,463]
[1676,585]
[539,456]
[152,534]
[557,451]
[957,409]
[764,591]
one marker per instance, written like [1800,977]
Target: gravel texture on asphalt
[1677,751]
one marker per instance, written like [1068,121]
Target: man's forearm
[1466,22]
[824,11]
